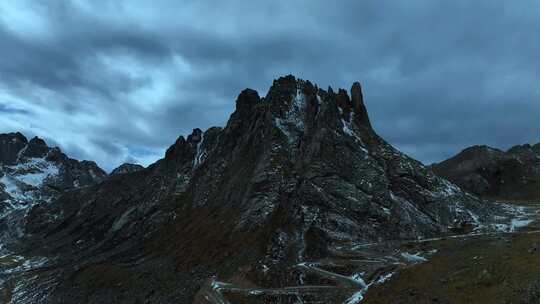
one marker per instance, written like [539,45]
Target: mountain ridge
[32,173]
[513,174]
[294,177]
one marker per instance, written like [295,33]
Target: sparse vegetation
[484,269]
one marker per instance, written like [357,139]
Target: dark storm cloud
[118,81]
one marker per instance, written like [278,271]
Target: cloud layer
[117,81]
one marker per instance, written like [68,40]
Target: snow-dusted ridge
[23,181]
[31,173]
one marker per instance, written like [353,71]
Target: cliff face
[296,176]
[489,172]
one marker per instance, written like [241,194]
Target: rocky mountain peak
[195,137]
[287,93]
[33,175]
[295,129]
[36,141]
[356,94]
[31,170]
[480,151]
[176,148]
[294,178]
[36,148]
[358,105]
[520,149]
[486,171]
[126,168]
[10,146]
[287,83]
[184,150]
[246,101]
[13,137]
[290,99]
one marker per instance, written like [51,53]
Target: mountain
[126,168]
[31,173]
[490,172]
[294,191]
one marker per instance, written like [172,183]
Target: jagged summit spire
[301,103]
[247,99]
[298,108]
[349,103]
[37,147]
[37,141]
[284,87]
[16,145]
[358,105]
[14,136]
[285,79]
[10,146]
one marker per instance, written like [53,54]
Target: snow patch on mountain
[294,118]
[35,170]
[348,129]
[22,181]
[200,157]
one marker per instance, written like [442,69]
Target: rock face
[489,172]
[296,176]
[31,173]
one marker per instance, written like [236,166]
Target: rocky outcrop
[295,176]
[493,173]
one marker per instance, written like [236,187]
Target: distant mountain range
[492,173]
[33,174]
[287,194]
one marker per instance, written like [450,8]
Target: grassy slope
[485,269]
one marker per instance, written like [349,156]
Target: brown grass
[502,269]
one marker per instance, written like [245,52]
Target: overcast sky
[117,81]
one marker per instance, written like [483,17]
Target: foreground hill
[489,172]
[286,194]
